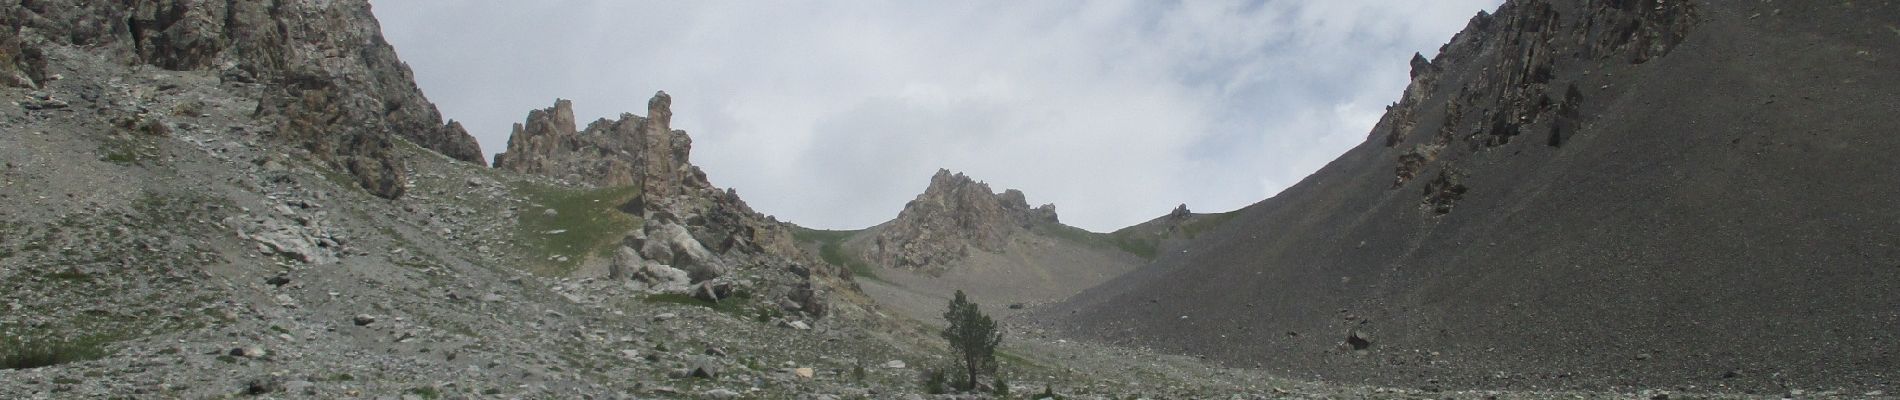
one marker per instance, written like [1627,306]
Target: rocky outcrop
[954,215]
[332,83]
[1523,89]
[630,151]
[695,236]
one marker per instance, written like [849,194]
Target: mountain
[952,217]
[1571,194]
[959,234]
[213,199]
[343,106]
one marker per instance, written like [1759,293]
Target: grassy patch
[831,249]
[1017,360]
[29,353]
[1202,225]
[71,276]
[124,152]
[426,392]
[585,223]
[1082,236]
[735,305]
[1147,244]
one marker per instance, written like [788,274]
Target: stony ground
[154,244]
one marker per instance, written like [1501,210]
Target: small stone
[1642,356]
[665,316]
[803,373]
[798,325]
[363,319]
[894,364]
[248,352]
[705,368]
[721,394]
[550,213]
[301,387]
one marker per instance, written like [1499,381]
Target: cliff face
[630,151]
[954,215]
[1518,91]
[1573,194]
[321,69]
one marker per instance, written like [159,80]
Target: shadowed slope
[1566,199]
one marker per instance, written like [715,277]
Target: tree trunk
[970,363]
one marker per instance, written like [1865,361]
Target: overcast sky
[834,114]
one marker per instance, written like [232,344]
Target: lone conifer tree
[973,336]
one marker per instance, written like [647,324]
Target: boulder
[704,367]
[686,252]
[662,278]
[713,291]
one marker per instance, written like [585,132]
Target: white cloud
[833,114]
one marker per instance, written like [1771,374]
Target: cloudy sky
[833,114]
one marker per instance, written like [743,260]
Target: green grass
[736,305]
[1084,237]
[1017,360]
[831,249]
[1197,227]
[426,392]
[122,151]
[71,276]
[34,353]
[1147,245]
[589,222]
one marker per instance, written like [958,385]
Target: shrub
[936,381]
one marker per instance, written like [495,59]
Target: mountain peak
[954,214]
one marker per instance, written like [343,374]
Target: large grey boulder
[675,245]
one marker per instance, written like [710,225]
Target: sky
[834,114]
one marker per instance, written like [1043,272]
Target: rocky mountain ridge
[953,216]
[321,69]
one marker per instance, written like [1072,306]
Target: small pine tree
[1002,386]
[974,338]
